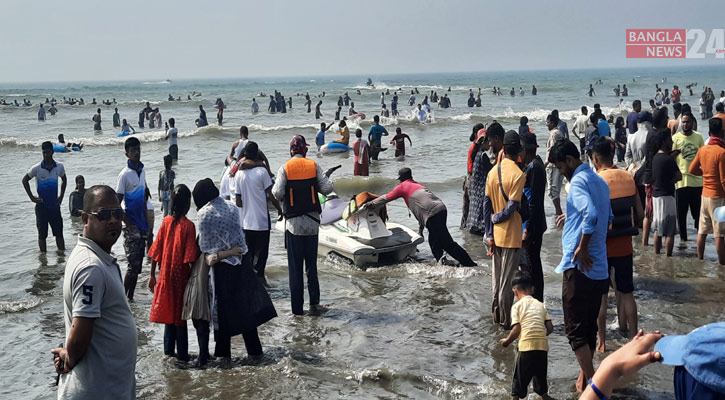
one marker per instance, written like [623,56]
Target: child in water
[399,141]
[531,324]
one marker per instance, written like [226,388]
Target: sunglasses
[106,214]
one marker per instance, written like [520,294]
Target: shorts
[134,242]
[664,215]
[400,152]
[174,151]
[581,298]
[554,180]
[707,217]
[47,216]
[648,192]
[530,364]
[621,271]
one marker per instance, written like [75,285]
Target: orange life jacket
[301,189]
[623,197]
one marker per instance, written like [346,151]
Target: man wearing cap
[430,212]
[504,189]
[298,182]
[535,226]
[47,203]
[584,260]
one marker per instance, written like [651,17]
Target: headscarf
[298,145]
[204,192]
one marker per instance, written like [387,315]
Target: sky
[56,41]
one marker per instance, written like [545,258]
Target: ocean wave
[9,307]
[146,137]
[15,95]
[264,128]
[164,82]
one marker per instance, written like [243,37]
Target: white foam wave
[264,128]
[165,82]
[15,94]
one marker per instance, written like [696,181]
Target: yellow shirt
[508,233]
[688,146]
[344,136]
[531,315]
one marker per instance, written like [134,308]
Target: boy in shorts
[665,173]
[531,324]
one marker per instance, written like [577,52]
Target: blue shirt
[563,129]
[46,178]
[320,138]
[632,122]
[588,211]
[603,127]
[376,133]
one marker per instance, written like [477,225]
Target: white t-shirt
[252,185]
[173,136]
[224,190]
[581,124]
[132,185]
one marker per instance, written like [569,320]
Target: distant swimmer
[126,128]
[478,100]
[499,92]
[384,112]
[351,110]
[399,141]
[358,92]
[449,89]
[141,119]
[171,98]
[220,111]
[308,102]
[320,138]
[201,121]
[52,110]
[255,106]
[70,146]
[394,105]
[512,92]
[625,91]
[318,113]
[471,99]
[411,100]
[421,114]
[617,91]
[591,90]
[289,102]
[346,99]
[94,101]
[97,120]
[41,113]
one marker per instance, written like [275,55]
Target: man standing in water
[116,118]
[99,357]
[503,224]
[627,211]
[375,136]
[47,204]
[97,120]
[172,135]
[584,248]
[430,212]
[297,185]
[131,189]
[535,226]
[553,177]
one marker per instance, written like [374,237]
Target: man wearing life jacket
[627,210]
[298,182]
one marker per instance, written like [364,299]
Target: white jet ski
[364,238]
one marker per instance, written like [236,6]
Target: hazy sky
[139,39]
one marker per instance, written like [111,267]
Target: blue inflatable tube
[59,148]
[334,147]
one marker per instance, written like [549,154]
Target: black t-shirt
[664,169]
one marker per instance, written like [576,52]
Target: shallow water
[412,330]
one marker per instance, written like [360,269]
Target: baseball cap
[511,137]
[701,352]
[644,116]
[528,139]
[405,174]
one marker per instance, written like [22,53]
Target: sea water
[412,330]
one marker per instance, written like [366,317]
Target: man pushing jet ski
[430,212]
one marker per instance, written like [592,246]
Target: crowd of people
[670,171]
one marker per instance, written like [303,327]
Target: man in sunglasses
[47,203]
[99,357]
[131,189]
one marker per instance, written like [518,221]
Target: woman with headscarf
[477,184]
[472,151]
[241,303]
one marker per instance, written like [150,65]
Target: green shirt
[688,146]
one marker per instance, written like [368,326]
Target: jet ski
[360,234]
